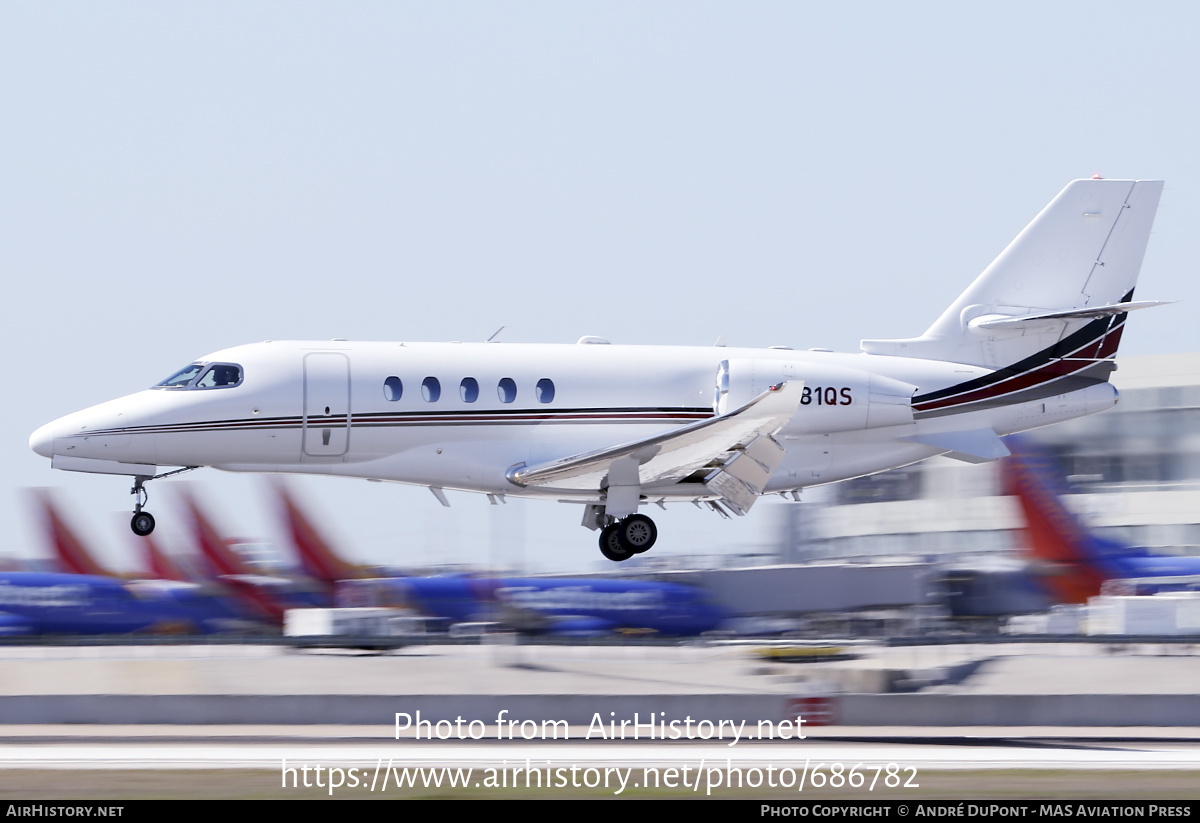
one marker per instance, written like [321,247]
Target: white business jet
[615,428]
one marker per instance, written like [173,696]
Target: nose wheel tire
[610,544]
[142,523]
[637,533]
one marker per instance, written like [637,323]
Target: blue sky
[179,178]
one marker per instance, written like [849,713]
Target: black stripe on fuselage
[1089,376]
[1054,362]
[473,417]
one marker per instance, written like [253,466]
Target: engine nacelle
[834,399]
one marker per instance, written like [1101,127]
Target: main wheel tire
[610,544]
[142,523]
[637,533]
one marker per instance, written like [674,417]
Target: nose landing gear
[626,537]
[142,522]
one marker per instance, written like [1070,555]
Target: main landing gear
[626,537]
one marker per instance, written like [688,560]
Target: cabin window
[219,376]
[507,390]
[468,389]
[431,389]
[393,389]
[545,390]
[181,378]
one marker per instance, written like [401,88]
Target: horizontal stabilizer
[1003,322]
[974,446]
[676,454]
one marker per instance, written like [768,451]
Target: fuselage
[49,603]
[550,605]
[461,415]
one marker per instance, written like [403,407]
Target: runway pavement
[369,762]
[367,759]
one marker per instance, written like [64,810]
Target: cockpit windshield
[181,378]
[204,376]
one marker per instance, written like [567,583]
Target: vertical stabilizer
[1071,562]
[1069,275]
[159,564]
[226,565]
[72,556]
[317,556]
[220,558]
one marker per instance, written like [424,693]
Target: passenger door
[326,404]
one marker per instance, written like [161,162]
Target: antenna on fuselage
[495,334]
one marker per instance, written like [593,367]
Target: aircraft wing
[736,449]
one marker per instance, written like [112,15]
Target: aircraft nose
[42,440]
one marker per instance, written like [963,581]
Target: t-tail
[1047,315]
